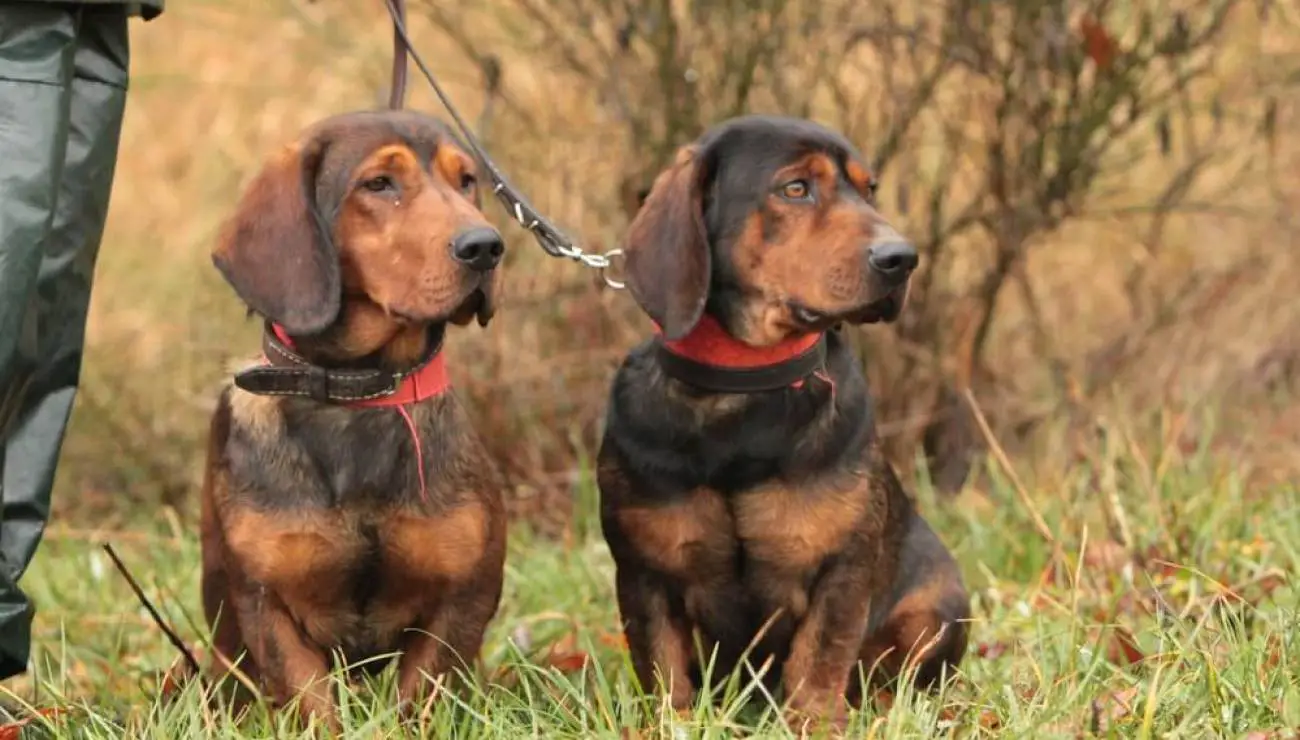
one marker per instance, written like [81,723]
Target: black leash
[552,240]
[397,94]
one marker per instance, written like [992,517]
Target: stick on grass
[175,639]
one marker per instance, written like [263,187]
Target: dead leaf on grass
[565,656]
[991,650]
[14,730]
[568,662]
[615,640]
[1122,649]
[1274,651]
[1111,708]
[1272,582]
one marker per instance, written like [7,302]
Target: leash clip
[550,238]
[604,271]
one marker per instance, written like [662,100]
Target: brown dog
[743,492]
[349,510]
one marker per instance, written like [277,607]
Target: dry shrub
[1099,191]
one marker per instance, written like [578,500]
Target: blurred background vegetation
[1104,191]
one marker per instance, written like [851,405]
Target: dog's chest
[771,528]
[352,577]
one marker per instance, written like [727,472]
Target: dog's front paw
[812,717]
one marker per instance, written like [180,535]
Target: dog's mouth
[884,309]
[473,304]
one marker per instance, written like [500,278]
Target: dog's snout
[479,248]
[893,260]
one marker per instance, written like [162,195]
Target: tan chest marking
[299,557]
[291,549]
[799,527]
[304,559]
[670,538]
[446,547]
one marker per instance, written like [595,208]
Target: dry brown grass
[217,84]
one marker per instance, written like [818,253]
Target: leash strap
[397,91]
[553,241]
[742,380]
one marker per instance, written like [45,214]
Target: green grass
[1211,607]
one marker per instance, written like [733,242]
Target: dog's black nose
[894,260]
[479,248]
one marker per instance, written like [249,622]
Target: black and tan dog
[743,492]
[349,508]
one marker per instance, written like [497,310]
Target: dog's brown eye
[378,184]
[467,182]
[796,190]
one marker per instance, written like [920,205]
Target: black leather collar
[290,374]
[741,380]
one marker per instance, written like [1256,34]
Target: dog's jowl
[349,510]
[743,491]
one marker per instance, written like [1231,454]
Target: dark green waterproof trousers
[63,75]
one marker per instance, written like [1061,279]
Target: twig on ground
[175,639]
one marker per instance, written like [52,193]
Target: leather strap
[397,91]
[742,379]
[289,374]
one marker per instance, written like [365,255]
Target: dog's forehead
[351,138]
[770,142]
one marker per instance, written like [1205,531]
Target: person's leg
[66,67]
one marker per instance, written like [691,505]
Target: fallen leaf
[568,662]
[1270,583]
[991,651]
[616,640]
[1123,648]
[1112,708]
[565,656]
[14,730]
[1274,655]
[1050,575]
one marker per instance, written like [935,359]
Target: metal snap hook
[609,262]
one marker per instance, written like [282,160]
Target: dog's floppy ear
[668,264]
[276,251]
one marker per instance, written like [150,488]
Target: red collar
[710,358]
[710,344]
[426,382]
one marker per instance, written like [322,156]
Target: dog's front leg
[449,638]
[658,634]
[289,664]
[828,639]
